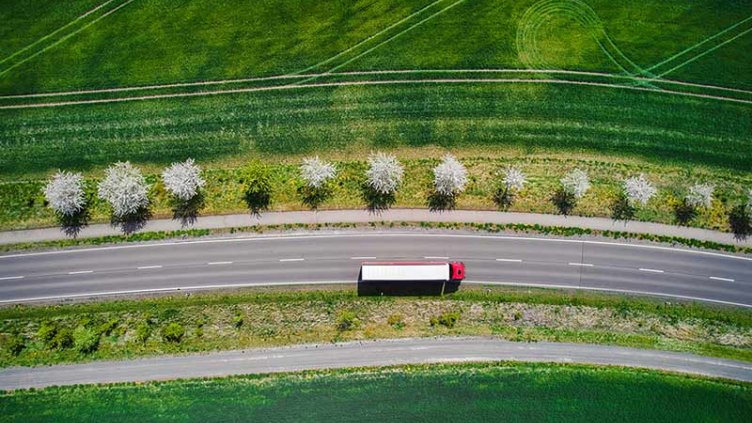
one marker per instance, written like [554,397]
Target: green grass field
[498,78]
[468,393]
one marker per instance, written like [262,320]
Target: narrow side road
[367,353]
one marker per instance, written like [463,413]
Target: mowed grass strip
[265,317]
[654,127]
[469,393]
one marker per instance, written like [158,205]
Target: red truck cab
[457,270]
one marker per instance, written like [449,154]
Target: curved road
[231,262]
[368,353]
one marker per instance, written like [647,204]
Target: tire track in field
[56,31]
[65,38]
[374,72]
[436,81]
[369,38]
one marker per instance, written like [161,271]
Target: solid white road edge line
[355,235]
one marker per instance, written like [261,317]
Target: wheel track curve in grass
[541,12]
[74,21]
[374,72]
[436,81]
[65,38]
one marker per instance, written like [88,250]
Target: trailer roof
[415,271]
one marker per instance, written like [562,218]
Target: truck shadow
[404,289]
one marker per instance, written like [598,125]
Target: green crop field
[468,393]
[84,84]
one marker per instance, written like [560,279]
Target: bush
[85,340]
[143,332]
[347,320]
[173,332]
[237,320]
[62,339]
[47,331]
[396,321]
[448,319]
[15,344]
[740,221]
[107,327]
[257,191]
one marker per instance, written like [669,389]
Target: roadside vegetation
[512,392]
[37,335]
[583,187]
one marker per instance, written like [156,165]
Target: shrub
[15,344]
[47,331]
[347,320]
[173,332]
[62,339]
[143,332]
[740,221]
[85,340]
[396,321]
[107,327]
[257,191]
[237,320]
[448,319]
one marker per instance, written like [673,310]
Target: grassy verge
[131,328]
[22,204]
[468,392]
[477,227]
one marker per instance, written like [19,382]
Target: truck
[432,271]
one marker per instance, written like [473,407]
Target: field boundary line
[364,73]
[65,38]
[369,38]
[55,31]
[379,82]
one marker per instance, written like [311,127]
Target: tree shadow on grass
[257,201]
[503,198]
[72,225]
[622,210]
[133,222]
[684,213]
[438,202]
[376,202]
[313,197]
[187,211]
[564,201]
[740,222]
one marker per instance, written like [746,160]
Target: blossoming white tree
[514,179]
[384,173]
[65,193]
[125,188]
[316,172]
[700,195]
[449,177]
[576,183]
[639,189]
[183,179]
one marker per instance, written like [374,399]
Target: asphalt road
[214,263]
[367,353]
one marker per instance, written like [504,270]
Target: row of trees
[125,189]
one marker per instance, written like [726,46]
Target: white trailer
[412,271]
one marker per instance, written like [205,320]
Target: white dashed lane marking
[80,272]
[149,267]
[581,264]
[715,278]
[213,263]
[509,260]
[651,270]
[8,278]
[291,259]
